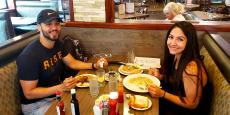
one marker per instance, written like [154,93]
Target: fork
[144,87]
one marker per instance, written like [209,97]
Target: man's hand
[69,83]
[99,62]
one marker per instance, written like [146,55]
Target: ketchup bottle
[60,105]
[113,106]
[120,92]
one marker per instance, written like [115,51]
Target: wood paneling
[148,43]
[109,9]
[71,11]
[214,26]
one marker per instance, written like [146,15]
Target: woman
[174,11]
[183,76]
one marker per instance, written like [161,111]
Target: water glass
[93,87]
[112,82]
[100,73]
[130,56]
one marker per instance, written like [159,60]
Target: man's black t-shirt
[39,63]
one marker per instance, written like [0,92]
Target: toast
[138,101]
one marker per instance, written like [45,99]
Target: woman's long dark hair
[191,52]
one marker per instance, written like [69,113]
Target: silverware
[143,87]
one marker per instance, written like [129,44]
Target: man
[40,65]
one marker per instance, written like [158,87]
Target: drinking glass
[112,82]
[130,56]
[101,57]
[100,73]
[93,86]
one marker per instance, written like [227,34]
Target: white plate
[150,104]
[82,86]
[128,73]
[139,88]
[89,76]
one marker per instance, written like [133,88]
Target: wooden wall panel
[148,43]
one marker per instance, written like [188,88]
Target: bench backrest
[9,86]
[213,56]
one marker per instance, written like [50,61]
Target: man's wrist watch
[93,66]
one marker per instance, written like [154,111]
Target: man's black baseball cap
[47,15]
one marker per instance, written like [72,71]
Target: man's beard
[48,37]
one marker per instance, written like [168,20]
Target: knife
[117,62]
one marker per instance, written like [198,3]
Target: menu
[147,62]
[89,10]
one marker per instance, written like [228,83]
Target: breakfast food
[131,69]
[83,80]
[138,101]
[140,81]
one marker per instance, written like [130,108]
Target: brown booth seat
[217,63]
[10,100]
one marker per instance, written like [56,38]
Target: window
[3,4]
[217,1]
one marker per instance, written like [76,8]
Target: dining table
[207,16]
[86,101]
[131,16]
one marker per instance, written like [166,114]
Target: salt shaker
[97,110]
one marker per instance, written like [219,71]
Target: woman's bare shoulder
[191,68]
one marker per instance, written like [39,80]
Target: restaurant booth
[145,38]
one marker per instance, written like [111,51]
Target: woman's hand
[155,72]
[156,91]
[69,83]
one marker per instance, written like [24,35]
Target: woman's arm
[192,87]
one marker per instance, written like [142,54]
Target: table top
[210,16]
[131,16]
[20,21]
[86,101]
[190,7]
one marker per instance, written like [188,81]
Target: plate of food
[140,82]
[139,102]
[130,68]
[83,80]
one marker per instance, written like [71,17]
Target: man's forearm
[41,92]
